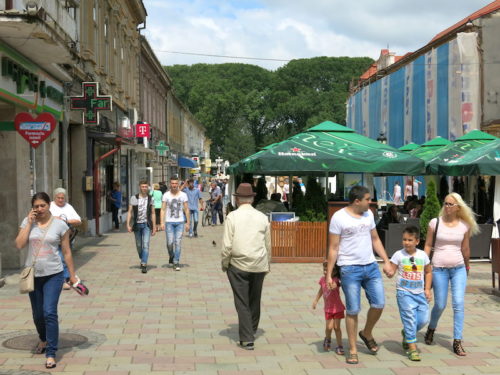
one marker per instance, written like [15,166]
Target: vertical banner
[408,99]
[430,95]
[454,88]
[365,112]
[384,106]
[469,58]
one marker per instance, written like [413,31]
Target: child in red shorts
[334,309]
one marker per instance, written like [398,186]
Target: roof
[492,7]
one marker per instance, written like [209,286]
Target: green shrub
[431,208]
[313,206]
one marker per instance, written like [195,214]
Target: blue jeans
[193,214]
[366,276]
[441,278]
[174,237]
[217,209]
[142,237]
[44,300]
[65,267]
[414,312]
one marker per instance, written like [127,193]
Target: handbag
[434,240]
[27,277]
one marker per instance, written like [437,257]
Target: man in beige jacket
[246,254]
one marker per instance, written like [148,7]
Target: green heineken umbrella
[457,149]
[409,147]
[430,149]
[484,159]
[329,147]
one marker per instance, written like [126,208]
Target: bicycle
[207,214]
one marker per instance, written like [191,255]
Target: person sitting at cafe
[389,217]
[266,206]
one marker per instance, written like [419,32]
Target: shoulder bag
[27,277]
[434,239]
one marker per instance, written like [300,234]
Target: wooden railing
[298,242]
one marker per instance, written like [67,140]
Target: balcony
[45,31]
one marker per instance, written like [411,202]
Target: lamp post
[383,139]
[218,162]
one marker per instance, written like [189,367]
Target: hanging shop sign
[91,103]
[162,148]
[142,130]
[34,130]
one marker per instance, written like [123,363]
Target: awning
[186,163]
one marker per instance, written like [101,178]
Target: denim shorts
[366,276]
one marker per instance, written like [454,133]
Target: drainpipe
[97,186]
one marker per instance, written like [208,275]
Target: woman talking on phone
[43,233]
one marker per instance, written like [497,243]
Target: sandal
[429,336]
[327,344]
[370,344]
[50,363]
[405,345]
[413,355]
[352,359]
[458,348]
[339,350]
[40,348]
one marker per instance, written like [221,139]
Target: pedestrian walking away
[450,234]
[194,203]
[43,233]
[413,289]
[246,254]
[157,196]
[352,240]
[216,200]
[333,307]
[141,209]
[61,209]
[174,218]
[115,196]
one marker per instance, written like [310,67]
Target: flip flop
[370,344]
[40,348]
[50,363]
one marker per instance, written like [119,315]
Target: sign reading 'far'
[91,103]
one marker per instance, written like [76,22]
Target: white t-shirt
[410,279]
[66,212]
[397,191]
[142,209]
[355,237]
[175,206]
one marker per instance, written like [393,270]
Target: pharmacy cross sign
[162,148]
[91,102]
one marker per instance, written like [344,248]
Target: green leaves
[256,107]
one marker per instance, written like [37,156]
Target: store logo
[295,151]
[390,155]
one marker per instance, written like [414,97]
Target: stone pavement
[167,322]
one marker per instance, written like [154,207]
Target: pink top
[448,248]
[331,297]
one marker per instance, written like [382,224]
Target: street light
[218,162]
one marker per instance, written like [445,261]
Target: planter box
[298,242]
[495,264]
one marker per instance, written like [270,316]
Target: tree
[431,208]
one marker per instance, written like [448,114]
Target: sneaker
[196,235]
[177,267]
[144,268]
[171,260]
[246,345]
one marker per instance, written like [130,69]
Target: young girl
[334,309]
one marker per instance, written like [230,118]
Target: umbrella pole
[290,192]
[327,187]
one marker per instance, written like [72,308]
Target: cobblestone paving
[167,322]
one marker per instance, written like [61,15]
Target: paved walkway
[167,322]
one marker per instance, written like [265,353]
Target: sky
[281,30]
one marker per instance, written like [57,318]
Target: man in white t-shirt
[352,240]
[174,217]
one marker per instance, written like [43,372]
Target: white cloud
[284,29]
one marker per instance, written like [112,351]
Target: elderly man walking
[246,256]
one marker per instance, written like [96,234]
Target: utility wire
[224,56]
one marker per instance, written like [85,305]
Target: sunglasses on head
[413,265]
[448,204]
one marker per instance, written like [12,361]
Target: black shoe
[246,345]
[196,234]
[177,267]
[171,260]
[144,268]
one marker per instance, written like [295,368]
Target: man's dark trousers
[247,290]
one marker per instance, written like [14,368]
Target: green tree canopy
[245,107]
